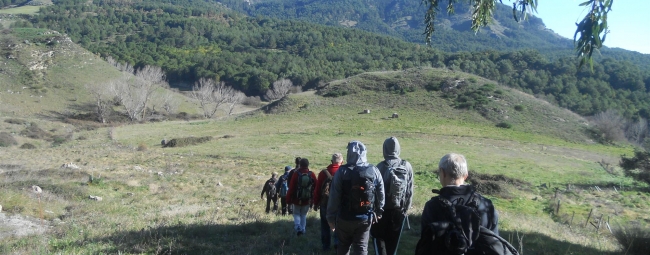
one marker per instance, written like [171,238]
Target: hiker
[271,192]
[356,200]
[297,162]
[282,186]
[398,189]
[457,202]
[321,196]
[301,189]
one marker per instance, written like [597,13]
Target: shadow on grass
[278,238]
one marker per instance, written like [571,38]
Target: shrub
[28,146]
[16,121]
[186,141]
[637,167]
[504,125]
[58,140]
[634,239]
[519,108]
[472,79]
[34,132]
[142,147]
[6,140]
[253,101]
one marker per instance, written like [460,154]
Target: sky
[628,21]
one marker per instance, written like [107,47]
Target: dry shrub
[253,101]
[634,239]
[28,146]
[7,140]
[187,141]
[142,147]
[35,132]
[16,121]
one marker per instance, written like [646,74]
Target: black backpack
[270,188]
[325,188]
[396,186]
[461,232]
[359,191]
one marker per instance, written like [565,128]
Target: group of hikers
[358,200]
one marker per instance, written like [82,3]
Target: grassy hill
[203,199]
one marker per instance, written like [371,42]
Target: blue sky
[629,21]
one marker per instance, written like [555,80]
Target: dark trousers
[283,203]
[268,203]
[325,231]
[387,231]
[353,234]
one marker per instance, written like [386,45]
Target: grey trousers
[353,234]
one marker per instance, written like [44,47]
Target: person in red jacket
[321,196]
[301,189]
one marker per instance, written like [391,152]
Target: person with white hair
[452,173]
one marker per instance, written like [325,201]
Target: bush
[28,146]
[180,142]
[35,132]
[519,108]
[634,239]
[504,125]
[637,167]
[253,101]
[6,140]
[142,147]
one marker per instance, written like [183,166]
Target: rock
[129,194]
[69,166]
[395,115]
[96,198]
[37,189]
[219,184]
[160,174]
[0,208]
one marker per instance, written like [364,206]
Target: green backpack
[304,186]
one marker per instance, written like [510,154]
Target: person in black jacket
[271,192]
[452,173]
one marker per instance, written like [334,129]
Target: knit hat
[287,168]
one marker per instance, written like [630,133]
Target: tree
[610,126]
[592,29]
[211,95]
[235,99]
[101,94]
[637,167]
[279,90]
[151,77]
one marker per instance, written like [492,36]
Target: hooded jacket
[391,150]
[356,156]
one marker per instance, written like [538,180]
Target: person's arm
[409,188]
[313,176]
[379,194]
[291,189]
[317,189]
[264,188]
[334,202]
[277,185]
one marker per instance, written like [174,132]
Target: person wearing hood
[356,200]
[397,175]
[282,186]
[301,189]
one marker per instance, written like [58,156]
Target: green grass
[28,9]
[204,198]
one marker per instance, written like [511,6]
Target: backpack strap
[327,173]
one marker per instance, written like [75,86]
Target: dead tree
[211,95]
[102,99]
[279,90]
[233,100]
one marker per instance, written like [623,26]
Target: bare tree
[170,103]
[235,99]
[637,131]
[279,90]
[134,92]
[211,95]
[610,126]
[101,94]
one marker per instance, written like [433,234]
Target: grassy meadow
[204,198]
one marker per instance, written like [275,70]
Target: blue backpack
[284,188]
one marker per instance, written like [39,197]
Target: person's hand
[316,207]
[261,196]
[332,226]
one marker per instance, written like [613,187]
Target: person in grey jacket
[386,233]
[352,224]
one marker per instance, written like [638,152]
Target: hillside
[203,198]
[404,19]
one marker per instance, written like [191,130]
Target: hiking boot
[299,233]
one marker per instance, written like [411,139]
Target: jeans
[325,231]
[283,203]
[300,217]
[352,233]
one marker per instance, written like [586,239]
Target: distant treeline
[194,39]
